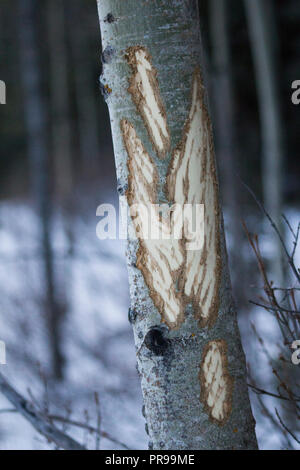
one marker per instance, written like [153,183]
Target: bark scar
[144,89]
[216,382]
[174,274]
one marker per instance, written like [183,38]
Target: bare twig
[8,410]
[274,226]
[288,318]
[89,428]
[270,416]
[286,428]
[38,421]
[260,391]
[77,424]
[274,309]
[98,413]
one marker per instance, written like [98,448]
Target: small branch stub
[109,18]
[156,341]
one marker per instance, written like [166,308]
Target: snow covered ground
[98,343]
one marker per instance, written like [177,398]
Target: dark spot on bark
[161,445]
[137,369]
[146,429]
[122,188]
[105,89]
[140,335]
[109,18]
[107,55]
[156,342]
[150,445]
[144,411]
[132,314]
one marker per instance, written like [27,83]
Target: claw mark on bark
[132,315]
[144,89]
[158,260]
[191,179]
[216,383]
[109,18]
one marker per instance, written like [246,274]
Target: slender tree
[61,132]
[84,96]
[189,353]
[36,124]
[226,142]
[261,23]
[60,101]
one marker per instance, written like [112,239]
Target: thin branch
[260,391]
[269,415]
[286,428]
[98,413]
[8,410]
[89,428]
[262,208]
[274,309]
[77,424]
[281,289]
[289,225]
[27,410]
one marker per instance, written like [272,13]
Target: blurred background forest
[63,293]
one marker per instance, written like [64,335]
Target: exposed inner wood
[145,93]
[159,260]
[174,273]
[216,383]
[192,180]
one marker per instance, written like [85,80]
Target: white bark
[189,354]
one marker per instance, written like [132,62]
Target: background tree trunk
[60,102]
[61,132]
[226,142]
[85,101]
[36,118]
[189,354]
[261,28]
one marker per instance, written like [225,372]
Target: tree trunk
[36,123]
[61,132]
[226,142]
[189,354]
[261,29]
[61,129]
[84,96]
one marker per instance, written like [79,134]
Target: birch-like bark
[262,35]
[189,355]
